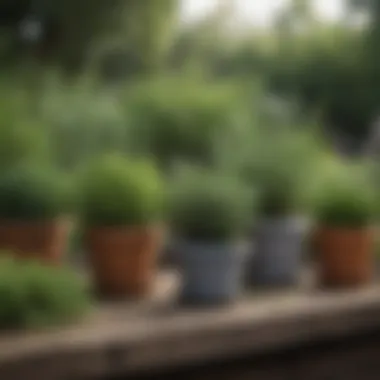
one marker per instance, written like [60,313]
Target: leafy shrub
[22,135]
[179,120]
[31,193]
[116,191]
[82,125]
[279,167]
[345,200]
[206,206]
[33,295]
[278,197]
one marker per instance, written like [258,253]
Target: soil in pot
[123,259]
[345,256]
[44,241]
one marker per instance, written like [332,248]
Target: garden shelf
[130,338]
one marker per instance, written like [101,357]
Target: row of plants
[171,118]
[184,118]
[227,231]
[233,218]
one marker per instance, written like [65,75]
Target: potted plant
[281,226]
[279,235]
[120,209]
[32,203]
[344,238]
[209,214]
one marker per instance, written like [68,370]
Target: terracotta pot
[123,259]
[45,240]
[345,256]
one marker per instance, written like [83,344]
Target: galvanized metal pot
[212,273]
[278,252]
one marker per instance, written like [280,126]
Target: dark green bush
[279,167]
[33,295]
[32,193]
[23,138]
[207,206]
[346,201]
[180,120]
[116,191]
[82,125]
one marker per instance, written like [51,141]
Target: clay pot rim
[132,228]
[342,228]
[28,222]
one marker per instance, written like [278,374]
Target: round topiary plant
[345,203]
[279,194]
[209,207]
[32,193]
[34,295]
[116,192]
[279,169]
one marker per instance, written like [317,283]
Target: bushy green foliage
[346,200]
[70,29]
[332,69]
[22,136]
[279,166]
[117,191]
[33,193]
[279,194]
[33,295]
[328,70]
[180,120]
[82,125]
[208,206]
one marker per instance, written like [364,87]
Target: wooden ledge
[153,335]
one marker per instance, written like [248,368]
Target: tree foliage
[71,28]
[331,69]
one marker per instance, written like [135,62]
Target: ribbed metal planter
[212,273]
[278,252]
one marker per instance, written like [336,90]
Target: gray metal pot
[212,272]
[278,252]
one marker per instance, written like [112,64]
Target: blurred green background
[84,78]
